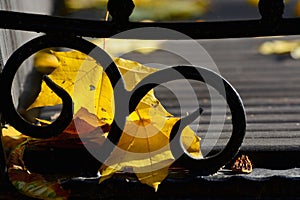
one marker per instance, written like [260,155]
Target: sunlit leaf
[45,62]
[117,47]
[91,83]
[144,148]
[281,47]
[144,144]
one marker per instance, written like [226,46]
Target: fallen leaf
[45,62]
[117,47]
[144,145]
[242,165]
[278,47]
[77,68]
[295,53]
[144,148]
[85,129]
[32,184]
[11,138]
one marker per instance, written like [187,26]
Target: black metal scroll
[70,32]
[125,101]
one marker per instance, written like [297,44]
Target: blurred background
[174,9]
[152,10]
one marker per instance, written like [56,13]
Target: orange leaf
[32,184]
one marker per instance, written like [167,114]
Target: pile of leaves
[143,148]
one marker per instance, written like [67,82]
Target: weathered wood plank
[268,85]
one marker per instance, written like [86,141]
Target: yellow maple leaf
[77,68]
[147,129]
[116,47]
[144,147]
[278,47]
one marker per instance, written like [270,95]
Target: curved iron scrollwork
[211,164]
[125,101]
[69,30]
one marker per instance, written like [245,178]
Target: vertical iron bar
[271,10]
[120,10]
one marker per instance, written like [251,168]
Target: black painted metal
[103,29]
[214,163]
[270,24]
[123,98]
[271,11]
[120,10]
